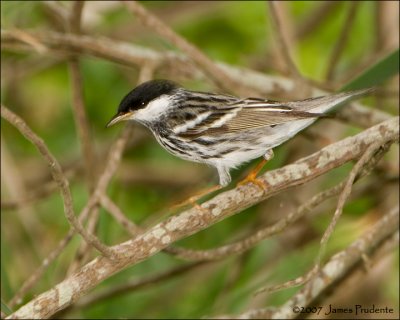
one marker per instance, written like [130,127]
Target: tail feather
[325,103]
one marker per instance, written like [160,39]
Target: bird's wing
[229,114]
[245,114]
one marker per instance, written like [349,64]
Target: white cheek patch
[153,110]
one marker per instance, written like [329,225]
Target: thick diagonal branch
[191,221]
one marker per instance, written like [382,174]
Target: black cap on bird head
[139,97]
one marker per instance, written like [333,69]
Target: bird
[221,130]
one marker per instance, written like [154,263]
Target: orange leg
[252,176]
[192,200]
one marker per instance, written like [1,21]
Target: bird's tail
[325,103]
[318,106]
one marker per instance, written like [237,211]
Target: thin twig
[45,191]
[58,12]
[146,72]
[58,177]
[387,31]
[342,263]
[291,283]
[38,273]
[135,284]
[211,68]
[82,254]
[82,125]
[281,41]
[256,236]
[316,18]
[27,38]
[81,121]
[15,185]
[75,16]
[342,40]
[119,216]
[368,154]
[370,163]
[78,103]
[383,233]
[113,160]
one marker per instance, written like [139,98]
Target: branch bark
[332,272]
[191,221]
[176,64]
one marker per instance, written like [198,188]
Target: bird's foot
[192,200]
[252,177]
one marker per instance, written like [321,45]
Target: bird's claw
[253,179]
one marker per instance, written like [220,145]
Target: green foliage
[24,14]
[383,70]
[231,33]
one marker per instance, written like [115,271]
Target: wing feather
[247,114]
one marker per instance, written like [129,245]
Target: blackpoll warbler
[221,130]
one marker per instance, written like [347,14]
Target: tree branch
[341,42]
[332,272]
[282,40]
[58,177]
[213,70]
[173,63]
[112,162]
[191,221]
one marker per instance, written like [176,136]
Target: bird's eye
[142,103]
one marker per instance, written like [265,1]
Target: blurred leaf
[232,33]
[377,74]
[6,288]
[360,206]
[25,14]
[5,308]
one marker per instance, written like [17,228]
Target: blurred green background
[149,180]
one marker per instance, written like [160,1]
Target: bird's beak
[118,118]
